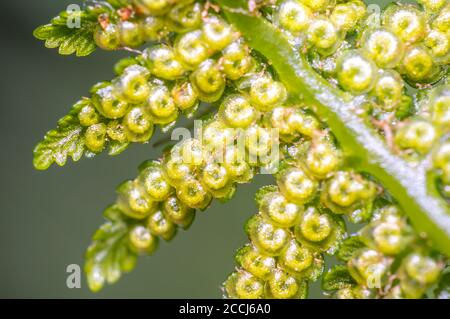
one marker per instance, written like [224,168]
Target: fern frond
[69,139]
[59,33]
[109,254]
[63,142]
[148,91]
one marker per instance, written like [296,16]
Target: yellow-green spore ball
[440,106]
[217,134]
[418,64]
[191,152]
[162,62]
[184,96]
[389,214]
[316,5]
[107,38]
[191,49]
[439,45]
[344,293]
[217,34]
[432,5]
[234,162]
[343,189]
[258,264]
[141,241]
[116,131]
[384,47]
[265,93]
[356,72]
[355,292]
[214,176]
[185,16]
[138,125]
[209,81]
[442,21]
[269,239]
[323,34]
[296,185]
[161,226]
[133,200]
[389,238]
[315,227]
[388,90]
[248,286]
[133,84]
[94,137]
[279,119]
[160,105]
[409,288]
[301,262]
[176,170]
[294,16]
[406,21]
[131,33]
[192,193]
[88,115]
[281,285]
[320,231]
[177,212]
[418,135]
[243,285]
[291,122]
[344,16]
[422,268]
[237,111]
[155,183]
[108,103]
[124,63]
[360,8]
[441,161]
[296,258]
[303,123]
[152,7]
[441,156]
[236,60]
[153,28]
[368,267]
[260,142]
[322,159]
[277,210]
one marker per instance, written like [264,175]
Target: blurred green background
[47,218]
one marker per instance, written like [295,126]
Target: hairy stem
[366,150]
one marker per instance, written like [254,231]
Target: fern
[109,254]
[337,278]
[63,142]
[69,39]
[356,146]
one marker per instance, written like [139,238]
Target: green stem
[367,151]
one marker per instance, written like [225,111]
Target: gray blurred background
[48,217]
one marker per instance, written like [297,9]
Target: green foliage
[356,145]
[109,255]
[69,140]
[336,278]
[443,289]
[59,33]
[66,140]
[348,248]
[154,87]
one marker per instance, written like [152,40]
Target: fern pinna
[353,102]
